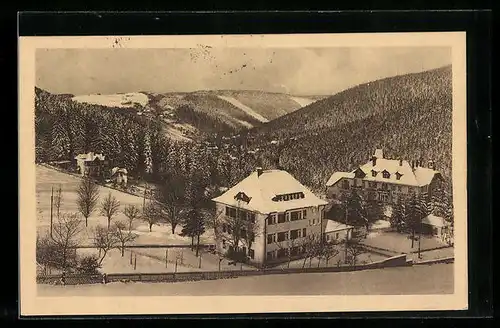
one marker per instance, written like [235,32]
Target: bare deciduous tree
[151,214]
[123,235]
[58,202]
[88,197]
[328,250]
[354,249]
[65,238]
[104,240]
[311,246]
[132,212]
[110,207]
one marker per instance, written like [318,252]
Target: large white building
[284,211]
[387,180]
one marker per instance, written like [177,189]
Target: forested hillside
[409,116]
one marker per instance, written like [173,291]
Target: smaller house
[435,225]
[336,231]
[91,164]
[119,176]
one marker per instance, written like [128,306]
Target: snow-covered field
[389,281]
[302,101]
[47,178]
[114,100]
[244,108]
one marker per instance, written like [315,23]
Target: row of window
[287,197]
[286,217]
[286,235]
[243,232]
[285,252]
[373,185]
[242,214]
[250,253]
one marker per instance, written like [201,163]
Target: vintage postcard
[242,173]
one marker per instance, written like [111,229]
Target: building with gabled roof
[386,180]
[284,210]
[91,164]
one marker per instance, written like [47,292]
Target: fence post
[166,257]
[135,262]
[130,257]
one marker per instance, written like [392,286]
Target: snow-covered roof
[337,176]
[435,221]
[261,189]
[89,157]
[418,177]
[332,226]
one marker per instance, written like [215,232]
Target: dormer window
[359,173]
[398,176]
[286,197]
[386,174]
[243,197]
[374,173]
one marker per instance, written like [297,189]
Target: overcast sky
[305,71]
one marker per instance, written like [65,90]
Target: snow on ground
[302,101]
[176,134]
[244,108]
[47,178]
[400,243]
[421,280]
[114,100]
[364,258]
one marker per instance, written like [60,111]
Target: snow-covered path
[244,108]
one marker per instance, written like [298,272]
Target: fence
[399,260]
[446,260]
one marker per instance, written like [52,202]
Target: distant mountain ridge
[188,115]
[409,116]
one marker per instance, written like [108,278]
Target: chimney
[412,164]
[431,165]
[400,162]
[374,161]
[259,171]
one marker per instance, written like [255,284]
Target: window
[271,219]
[223,243]
[294,216]
[282,236]
[243,233]
[287,216]
[386,175]
[304,214]
[281,217]
[337,235]
[294,234]
[398,176]
[251,217]
[231,212]
[271,238]
[224,228]
[294,251]
[270,255]
[345,184]
[251,253]
[281,253]
[374,173]
[304,232]
[327,237]
[242,215]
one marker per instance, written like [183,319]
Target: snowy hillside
[115,100]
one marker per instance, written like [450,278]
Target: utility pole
[51,205]
[199,265]
[347,235]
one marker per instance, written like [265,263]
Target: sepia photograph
[242,174]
